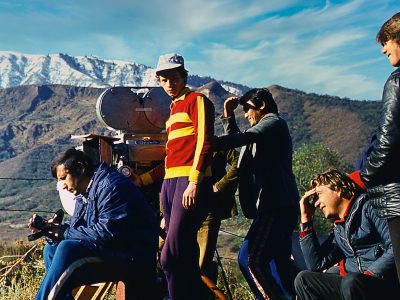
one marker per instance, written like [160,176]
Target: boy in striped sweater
[187,186]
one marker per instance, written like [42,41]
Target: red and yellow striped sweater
[190,130]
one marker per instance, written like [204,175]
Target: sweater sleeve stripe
[200,132]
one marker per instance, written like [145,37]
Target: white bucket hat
[169,61]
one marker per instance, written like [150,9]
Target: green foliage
[308,161]
[237,284]
[20,275]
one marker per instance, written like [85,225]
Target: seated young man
[359,241]
[112,234]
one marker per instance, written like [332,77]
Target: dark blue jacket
[265,162]
[362,239]
[114,218]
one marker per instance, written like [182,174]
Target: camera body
[136,116]
[44,226]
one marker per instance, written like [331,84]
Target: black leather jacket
[381,170]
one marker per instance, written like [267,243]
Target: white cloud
[317,46]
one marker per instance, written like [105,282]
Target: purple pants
[180,253]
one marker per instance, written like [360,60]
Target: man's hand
[137,181]
[307,209]
[55,231]
[31,227]
[230,105]
[190,195]
[215,189]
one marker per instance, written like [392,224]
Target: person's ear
[263,106]
[81,170]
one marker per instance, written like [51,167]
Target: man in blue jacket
[111,236]
[267,192]
[360,243]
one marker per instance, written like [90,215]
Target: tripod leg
[228,290]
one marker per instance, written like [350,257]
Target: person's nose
[383,50]
[61,185]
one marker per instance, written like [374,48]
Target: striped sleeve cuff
[306,229]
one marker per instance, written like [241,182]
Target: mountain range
[18,69]
[38,119]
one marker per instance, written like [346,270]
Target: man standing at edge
[380,167]
[187,186]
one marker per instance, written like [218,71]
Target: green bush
[308,161]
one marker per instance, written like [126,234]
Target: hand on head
[230,105]
[307,208]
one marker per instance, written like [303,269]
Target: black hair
[260,97]
[75,161]
[181,70]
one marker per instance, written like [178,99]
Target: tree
[308,161]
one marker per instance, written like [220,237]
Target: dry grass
[21,270]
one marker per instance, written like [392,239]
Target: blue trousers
[73,263]
[265,255]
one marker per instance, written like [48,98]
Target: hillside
[36,122]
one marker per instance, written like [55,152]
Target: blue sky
[325,47]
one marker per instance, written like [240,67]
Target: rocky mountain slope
[36,123]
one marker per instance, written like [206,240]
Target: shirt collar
[181,95]
[346,213]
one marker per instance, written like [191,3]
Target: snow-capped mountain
[84,71]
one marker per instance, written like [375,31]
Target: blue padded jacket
[115,218]
[362,239]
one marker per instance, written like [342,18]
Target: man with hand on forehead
[267,192]
[359,241]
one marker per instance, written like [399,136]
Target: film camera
[44,226]
[136,116]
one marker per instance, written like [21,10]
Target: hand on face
[307,209]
